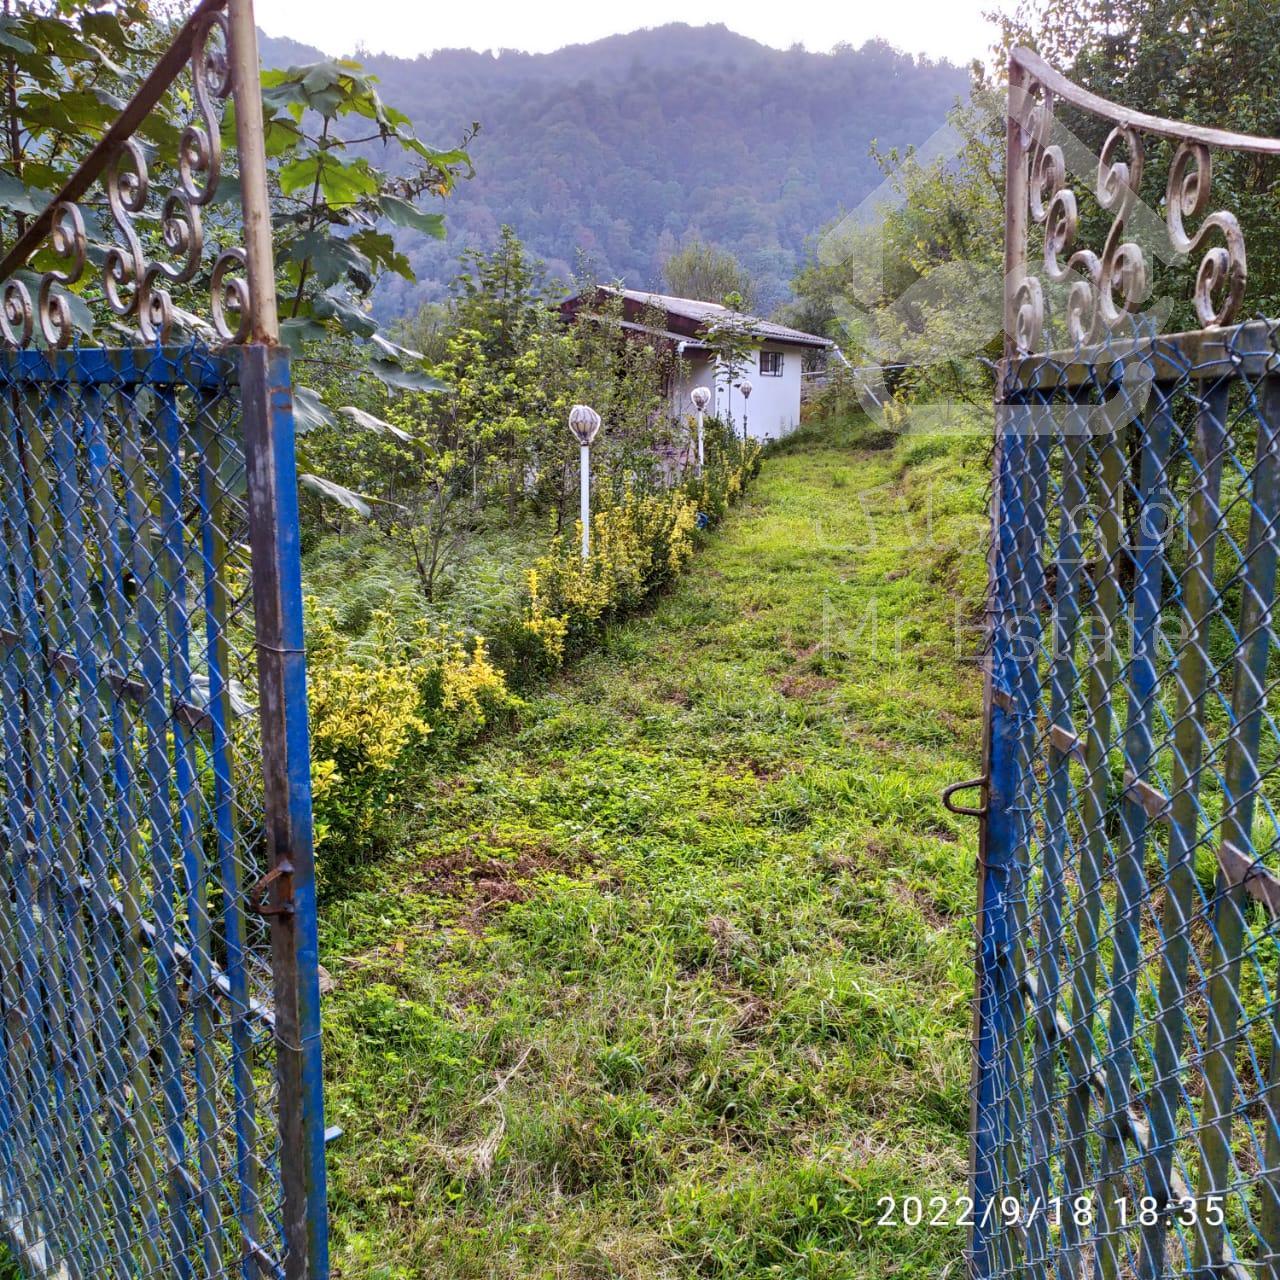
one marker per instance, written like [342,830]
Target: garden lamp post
[584,422]
[745,387]
[700,396]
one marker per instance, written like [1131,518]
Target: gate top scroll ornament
[1103,289]
[138,271]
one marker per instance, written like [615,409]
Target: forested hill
[623,147]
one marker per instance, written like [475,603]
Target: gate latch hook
[964,810]
[259,891]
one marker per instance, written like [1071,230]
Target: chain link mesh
[138,1133]
[1129,1027]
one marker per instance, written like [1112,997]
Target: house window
[771,364]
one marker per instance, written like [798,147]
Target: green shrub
[637,545]
[373,705]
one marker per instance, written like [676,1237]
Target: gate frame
[999,1003]
[286,894]
[275,542]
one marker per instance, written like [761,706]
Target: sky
[953,29]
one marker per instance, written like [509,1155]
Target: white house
[772,359]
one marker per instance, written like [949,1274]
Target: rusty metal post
[256,205]
[996,721]
[287,893]
[1015,200]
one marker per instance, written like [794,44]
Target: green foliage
[395,691]
[674,979]
[67,68]
[728,471]
[332,210]
[373,703]
[65,71]
[921,286]
[709,273]
[732,338]
[433,480]
[425,331]
[357,568]
[516,369]
[388,664]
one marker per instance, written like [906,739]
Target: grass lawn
[671,979]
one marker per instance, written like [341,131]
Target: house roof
[694,316]
[631,326]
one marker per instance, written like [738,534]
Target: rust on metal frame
[1259,881]
[1178,130]
[1153,802]
[1067,743]
[218,43]
[1106,288]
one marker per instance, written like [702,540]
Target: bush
[373,704]
[402,693]
[638,544]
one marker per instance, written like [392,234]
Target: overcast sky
[952,29]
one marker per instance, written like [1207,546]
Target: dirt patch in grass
[929,910]
[801,685]
[485,883]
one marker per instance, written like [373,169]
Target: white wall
[694,370]
[773,408]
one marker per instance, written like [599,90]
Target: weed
[727,1008]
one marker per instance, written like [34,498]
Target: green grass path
[672,979]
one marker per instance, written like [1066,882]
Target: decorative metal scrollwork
[136,286]
[67,239]
[1223,267]
[1104,289]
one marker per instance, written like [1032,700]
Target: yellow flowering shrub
[324,773]
[637,544]
[472,688]
[547,629]
[363,709]
[680,551]
[723,484]
[374,700]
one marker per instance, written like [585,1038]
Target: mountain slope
[619,149]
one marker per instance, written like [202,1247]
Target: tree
[709,273]
[66,70]
[496,360]
[733,339]
[436,530]
[516,368]
[623,374]
[427,465]
[920,288]
[426,331]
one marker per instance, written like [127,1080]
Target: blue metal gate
[160,1089]
[1127,1048]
